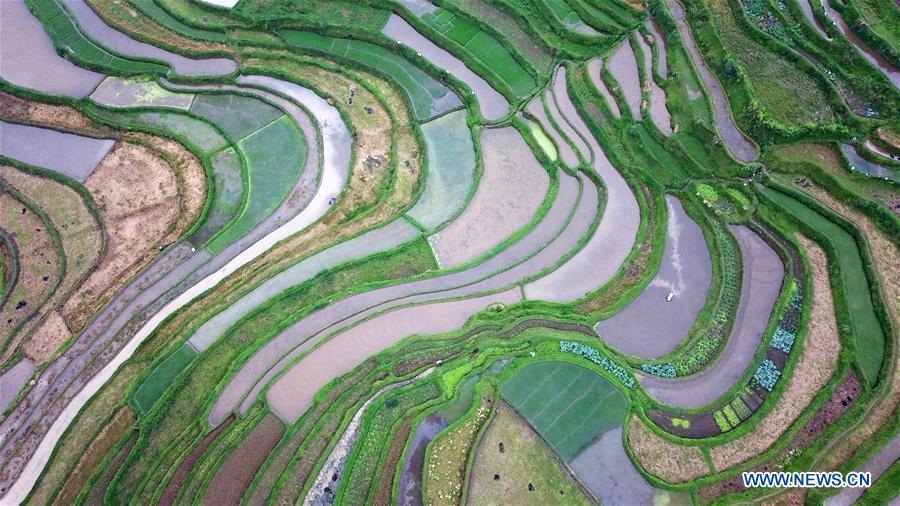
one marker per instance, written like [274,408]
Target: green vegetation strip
[66,35]
[487,50]
[275,156]
[161,378]
[844,252]
[427,96]
[567,404]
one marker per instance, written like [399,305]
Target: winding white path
[316,208]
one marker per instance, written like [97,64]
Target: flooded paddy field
[674,297]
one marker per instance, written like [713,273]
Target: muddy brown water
[75,156]
[94,27]
[738,143]
[763,274]
[807,9]
[872,56]
[613,238]
[662,65]
[508,266]
[593,69]
[13,380]
[293,392]
[492,104]
[685,272]
[28,56]
[409,492]
[512,187]
[623,66]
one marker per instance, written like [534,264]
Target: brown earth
[82,241]
[664,459]
[61,117]
[80,434]
[39,267]
[98,490]
[189,171]
[170,494]
[136,193]
[120,424]
[235,475]
[842,398]
[385,488]
[47,339]
[817,363]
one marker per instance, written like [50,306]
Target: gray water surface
[73,155]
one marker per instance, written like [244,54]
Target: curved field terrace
[460,252]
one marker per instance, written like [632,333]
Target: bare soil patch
[82,240]
[39,265]
[136,193]
[817,363]
[47,339]
[664,459]
[238,471]
[170,494]
[120,424]
[62,117]
[840,401]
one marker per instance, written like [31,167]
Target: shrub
[731,415]
[590,353]
[666,370]
[721,421]
[783,339]
[740,407]
[707,192]
[767,375]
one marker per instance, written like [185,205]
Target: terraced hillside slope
[447,251]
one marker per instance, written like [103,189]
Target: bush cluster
[767,375]
[666,370]
[590,353]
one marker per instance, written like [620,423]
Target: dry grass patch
[39,267]
[126,19]
[817,363]
[60,117]
[664,459]
[82,240]
[120,424]
[189,172]
[136,194]
[447,456]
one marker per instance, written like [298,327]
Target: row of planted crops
[528,251]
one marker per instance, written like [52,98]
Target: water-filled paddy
[75,156]
[28,56]
[491,103]
[510,191]
[763,273]
[652,325]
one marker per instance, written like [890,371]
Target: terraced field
[462,251]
